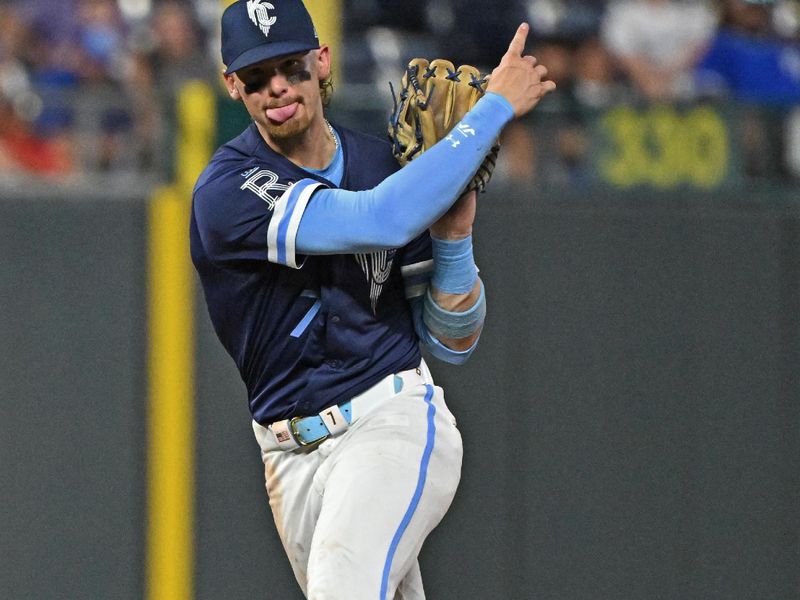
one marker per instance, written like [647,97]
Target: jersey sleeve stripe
[294,223]
[287,211]
[272,229]
[282,230]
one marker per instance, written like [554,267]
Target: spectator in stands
[22,150]
[22,147]
[170,54]
[596,85]
[587,83]
[178,53]
[76,44]
[657,43]
[553,144]
[748,61]
[101,40]
[14,39]
[477,30]
[463,31]
[576,20]
[53,55]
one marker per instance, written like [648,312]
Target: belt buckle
[298,436]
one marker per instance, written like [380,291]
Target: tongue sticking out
[284,113]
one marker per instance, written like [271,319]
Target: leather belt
[299,432]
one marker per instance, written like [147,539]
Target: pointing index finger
[517,45]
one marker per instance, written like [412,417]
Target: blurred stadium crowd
[87,86]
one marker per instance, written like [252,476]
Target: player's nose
[278,84]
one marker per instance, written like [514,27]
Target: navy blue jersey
[304,332]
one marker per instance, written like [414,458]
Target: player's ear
[323,62]
[230,83]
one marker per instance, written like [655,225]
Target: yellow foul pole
[327,17]
[170,364]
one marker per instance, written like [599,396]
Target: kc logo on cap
[257,10]
[258,30]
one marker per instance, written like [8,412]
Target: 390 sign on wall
[665,147]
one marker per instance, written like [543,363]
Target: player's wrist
[496,101]
[456,223]
[459,324]
[450,234]
[454,266]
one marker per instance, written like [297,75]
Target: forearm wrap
[454,267]
[453,325]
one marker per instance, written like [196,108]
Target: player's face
[282,95]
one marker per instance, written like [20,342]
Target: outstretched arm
[406,203]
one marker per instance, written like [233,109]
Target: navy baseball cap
[256,30]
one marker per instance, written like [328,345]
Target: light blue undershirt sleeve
[434,346]
[409,201]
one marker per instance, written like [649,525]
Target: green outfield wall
[631,418]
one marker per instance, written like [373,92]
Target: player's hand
[456,223]
[519,79]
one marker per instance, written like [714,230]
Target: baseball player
[323,268]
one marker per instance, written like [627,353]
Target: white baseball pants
[354,511]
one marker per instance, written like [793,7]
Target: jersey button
[334,363]
[335,319]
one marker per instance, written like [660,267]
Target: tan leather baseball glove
[433,98]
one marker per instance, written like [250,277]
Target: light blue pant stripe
[423,473]
[304,323]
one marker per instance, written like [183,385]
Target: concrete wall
[72,398]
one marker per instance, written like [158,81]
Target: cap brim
[267,51]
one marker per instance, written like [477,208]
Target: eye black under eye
[253,84]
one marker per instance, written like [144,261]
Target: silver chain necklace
[333,135]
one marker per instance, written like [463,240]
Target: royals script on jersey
[305,332]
